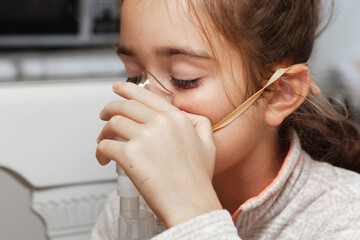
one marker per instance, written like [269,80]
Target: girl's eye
[185,84]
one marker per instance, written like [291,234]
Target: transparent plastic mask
[148,81]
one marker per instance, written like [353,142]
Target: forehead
[150,23]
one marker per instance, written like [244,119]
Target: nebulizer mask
[133,223]
[136,224]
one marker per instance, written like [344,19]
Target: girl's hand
[169,154]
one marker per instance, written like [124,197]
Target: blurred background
[58,39]
[57,66]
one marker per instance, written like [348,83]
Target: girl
[263,175]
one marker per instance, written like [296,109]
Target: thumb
[203,127]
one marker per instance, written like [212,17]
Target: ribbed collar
[263,204]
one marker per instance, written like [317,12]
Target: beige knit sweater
[307,200]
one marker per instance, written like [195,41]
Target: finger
[132,91]
[108,150]
[132,109]
[203,127]
[119,126]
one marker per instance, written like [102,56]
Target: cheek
[235,142]
[207,101]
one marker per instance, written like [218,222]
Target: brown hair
[268,33]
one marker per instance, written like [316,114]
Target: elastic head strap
[315,90]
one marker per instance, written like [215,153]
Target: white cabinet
[48,134]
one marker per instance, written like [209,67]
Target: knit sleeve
[214,225]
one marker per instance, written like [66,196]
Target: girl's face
[159,36]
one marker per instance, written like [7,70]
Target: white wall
[339,43]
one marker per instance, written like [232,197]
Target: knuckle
[108,107]
[110,104]
[124,106]
[169,118]
[108,110]
[160,118]
[105,110]
[146,134]
[129,149]
[98,155]
[115,120]
[101,148]
[130,103]
[120,107]
[179,117]
[114,106]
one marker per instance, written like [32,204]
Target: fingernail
[116,85]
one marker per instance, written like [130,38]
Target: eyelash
[181,84]
[185,84]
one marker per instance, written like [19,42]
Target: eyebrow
[123,50]
[166,52]
[170,51]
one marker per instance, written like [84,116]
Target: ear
[287,94]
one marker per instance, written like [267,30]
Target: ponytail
[325,132]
